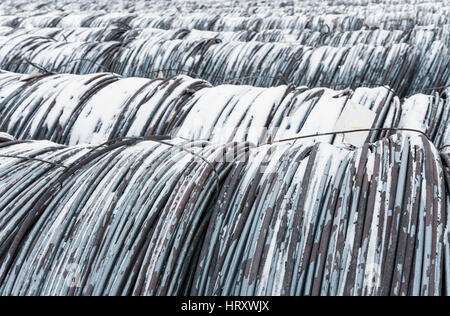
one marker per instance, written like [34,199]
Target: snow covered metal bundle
[120,219]
[71,109]
[287,220]
[223,147]
[406,68]
[308,43]
[322,220]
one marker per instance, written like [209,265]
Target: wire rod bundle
[6,137]
[421,35]
[121,219]
[54,56]
[267,64]
[445,158]
[140,218]
[403,67]
[334,45]
[72,109]
[91,108]
[80,34]
[431,114]
[242,113]
[325,221]
[216,165]
[314,15]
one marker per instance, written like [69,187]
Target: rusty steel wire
[408,53]
[193,148]
[73,110]
[183,241]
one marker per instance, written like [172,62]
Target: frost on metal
[135,218]
[222,62]
[313,44]
[154,147]
[324,217]
[4,137]
[80,109]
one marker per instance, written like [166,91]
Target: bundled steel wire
[243,113]
[334,45]
[72,109]
[445,158]
[403,67]
[325,221]
[54,56]
[4,137]
[119,219]
[267,64]
[131,218]
[92,108]
[431,114]
[235,183]
[314,15]
[423,36]
[103,34]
